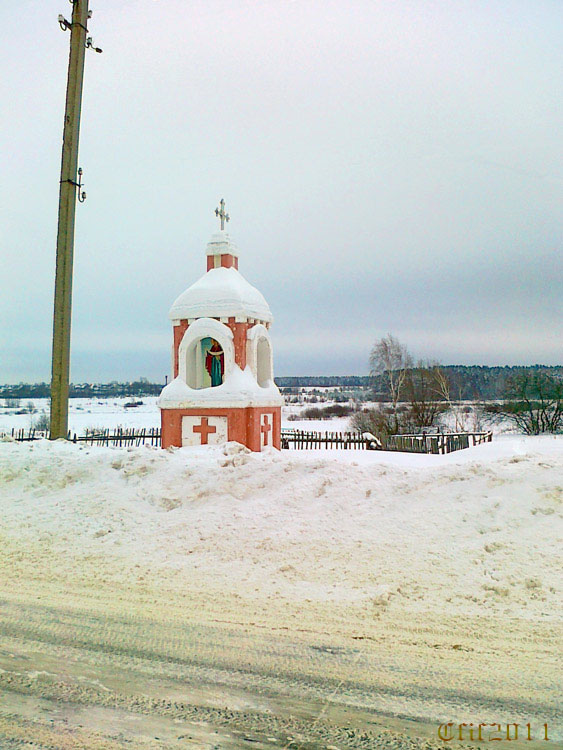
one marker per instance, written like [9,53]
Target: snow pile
[475,532]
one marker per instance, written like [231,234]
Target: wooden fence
[303,440]
[439,443]
[119,436]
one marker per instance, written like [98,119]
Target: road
[120,668]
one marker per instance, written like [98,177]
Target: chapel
[223,381]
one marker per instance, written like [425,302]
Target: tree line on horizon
[474,382]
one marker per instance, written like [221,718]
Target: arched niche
[191,366]
[259,355]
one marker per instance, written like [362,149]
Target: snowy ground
[434,568]
[85,413]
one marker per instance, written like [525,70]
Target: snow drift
[477,531]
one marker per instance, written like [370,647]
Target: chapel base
[256,427]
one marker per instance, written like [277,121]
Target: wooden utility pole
[67,206]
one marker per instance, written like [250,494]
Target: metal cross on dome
[222,215]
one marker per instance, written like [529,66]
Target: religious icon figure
[215,363]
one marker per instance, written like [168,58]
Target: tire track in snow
[279,688]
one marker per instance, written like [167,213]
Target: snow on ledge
[240,389]
[221,244]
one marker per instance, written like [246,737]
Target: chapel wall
[240,331]
[225,260]
[179,331]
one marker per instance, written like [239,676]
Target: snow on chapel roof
[221,243]
[221,292]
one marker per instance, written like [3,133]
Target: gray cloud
[387,166]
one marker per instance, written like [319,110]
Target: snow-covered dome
[221,293]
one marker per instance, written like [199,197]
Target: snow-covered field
[85,413]
[432,567]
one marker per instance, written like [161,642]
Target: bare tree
[423,393]
[41,424]
[379,420]
[449,389]
[392,360]
[478,417]
[533,403]
[417,405]
[452,389]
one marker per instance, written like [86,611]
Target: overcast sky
[389,166]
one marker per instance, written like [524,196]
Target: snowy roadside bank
[477,529]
